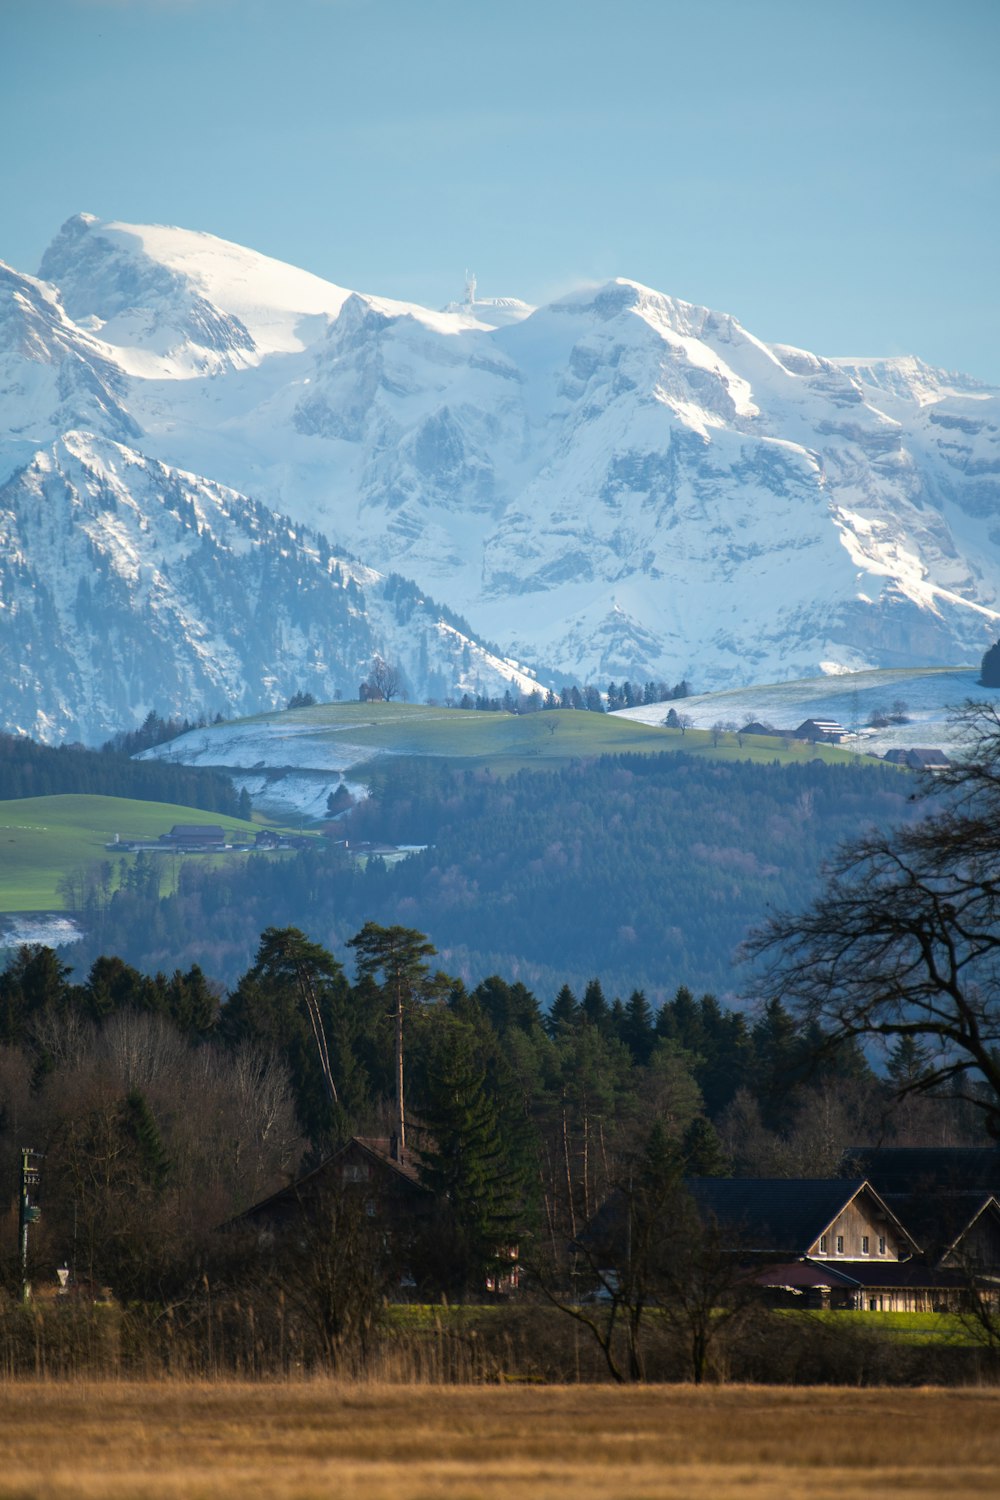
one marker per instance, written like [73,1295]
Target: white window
[840,1244]
[881,1244]
[354,1172]
[822,1244]
[864,1244]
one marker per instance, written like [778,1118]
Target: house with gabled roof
[823,731]
[918,758]
[824,1218]
[387,1184]
[840,1243]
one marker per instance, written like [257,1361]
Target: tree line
[28,769]
[165,1105]
[589,697]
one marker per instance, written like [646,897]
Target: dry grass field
[344,1442]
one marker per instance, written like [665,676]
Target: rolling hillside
[290,762]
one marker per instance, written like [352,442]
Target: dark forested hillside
[28,769]
[645,870]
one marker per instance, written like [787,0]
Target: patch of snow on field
[51,928]
[850,698]
[286,798]
[251,747]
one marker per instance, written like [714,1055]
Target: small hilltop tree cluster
[989,675]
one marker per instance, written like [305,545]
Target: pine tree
[466,1162]
[141,1130]
[507,1005]
[398,954]
[565,1013]
[595,1008]
[702,1150]
[909,1060]
[778,1064]
[638,1032]
[294,1001]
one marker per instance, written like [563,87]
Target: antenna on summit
[470,288]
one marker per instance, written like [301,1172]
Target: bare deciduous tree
[904,939]
[384,679]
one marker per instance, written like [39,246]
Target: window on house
[881,1244]
[822,1244]
[840,1244]
[864,1244]
[354,1172]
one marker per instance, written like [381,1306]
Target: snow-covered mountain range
[197,443]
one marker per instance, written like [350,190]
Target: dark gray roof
[919,756]
[775,1214]
[889,1274]
[938,1219]
[916,1169]
[288,1201]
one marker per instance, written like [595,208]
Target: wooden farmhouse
[842,1243]
[830,1243]
[386,1185]
[919,759]
[388,1188]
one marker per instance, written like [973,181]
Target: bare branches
[904,941]
[384,680]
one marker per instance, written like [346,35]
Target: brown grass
[230,1441]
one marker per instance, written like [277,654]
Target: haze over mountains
[220,474]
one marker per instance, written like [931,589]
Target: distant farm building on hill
[825,731]
[919,759]
[192,837]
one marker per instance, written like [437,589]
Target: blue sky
[828,172]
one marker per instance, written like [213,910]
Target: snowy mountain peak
[112,282]
[618,483]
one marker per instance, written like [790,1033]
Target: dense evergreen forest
[647,870]
[28,769]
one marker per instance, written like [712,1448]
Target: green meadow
[42,838]
[366,732]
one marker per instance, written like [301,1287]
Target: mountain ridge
[619,483]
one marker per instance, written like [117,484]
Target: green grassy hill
[43,838]
[350,737]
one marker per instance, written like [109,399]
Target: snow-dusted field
[851,699]
[50,928]
[314,760]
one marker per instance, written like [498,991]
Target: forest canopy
[647,869]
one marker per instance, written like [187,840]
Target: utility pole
[400,1112]
[29,1211]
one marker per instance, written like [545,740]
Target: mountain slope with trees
[646,869]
